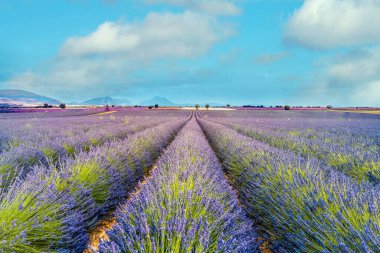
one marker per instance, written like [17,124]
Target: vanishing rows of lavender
[210,181]
[27,141]
[58,194]
[308,180]
[343,141]
[186,205]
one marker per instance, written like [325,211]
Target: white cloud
[188,34]
[322,24]
[369,94]
[108,38]
[358,72]
[357,66]
[214,7]
[106,59]
[350,79]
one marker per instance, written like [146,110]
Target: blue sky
[312,52]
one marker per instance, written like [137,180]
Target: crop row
[356,155]
[298,205]
[53,209]
[185,206]
[19,161]
[24,132]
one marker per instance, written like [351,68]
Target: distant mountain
[161,101]
[22,97]
[106,101]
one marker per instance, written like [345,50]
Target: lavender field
[139,180]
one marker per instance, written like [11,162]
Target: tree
[150,107]
[62,106]
[329,107]
[197,106]
[156,106]
[46,105]
[228,105]
[287,107]
[207,106]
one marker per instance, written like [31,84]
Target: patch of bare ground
[99,233]
[265,246]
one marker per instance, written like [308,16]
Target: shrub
[185,206]
[298,203]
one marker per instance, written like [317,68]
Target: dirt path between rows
[264,244]
[99,233]
[103,113]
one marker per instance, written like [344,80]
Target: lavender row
[298,205]
[19,161]
[50,112]
[355,151]
[186,205]
[53,209]
[24,132]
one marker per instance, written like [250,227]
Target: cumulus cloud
[323,24]
[188,34]
[214,7]
[107,57]
[350,79]
[270,58]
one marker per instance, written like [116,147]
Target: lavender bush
[344,144]
[86,186]
[49,145]
[298,205]
[185,206]
[307,181]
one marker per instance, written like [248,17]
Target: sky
[270,52]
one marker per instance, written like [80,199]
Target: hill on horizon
[161,101]
[22,97]
[106,101]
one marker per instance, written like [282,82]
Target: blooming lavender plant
[348,145]
[48,146]
[186,205]
[36,217]
[299,205]
[82,189]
